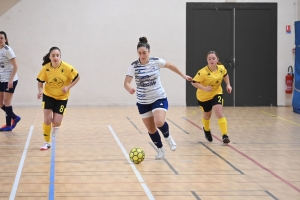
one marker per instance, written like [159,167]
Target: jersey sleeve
[161,63]
[10,54]
[130,71]
[224,71]
[42,75]
[198,77]
[73,73]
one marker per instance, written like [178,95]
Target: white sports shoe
[45,146]
[161,153]
[172,144]
[54,130]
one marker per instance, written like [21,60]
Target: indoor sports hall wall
[99,38]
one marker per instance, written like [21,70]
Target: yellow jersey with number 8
[206,77]
[56,79]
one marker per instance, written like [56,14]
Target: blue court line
[52,171]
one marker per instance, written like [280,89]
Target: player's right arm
[127,85]
[128,79]
[196,82]
[201,87]
[40,88]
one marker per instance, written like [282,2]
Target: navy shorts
[4,86]
[146,110]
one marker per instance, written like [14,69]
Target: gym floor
[89,156]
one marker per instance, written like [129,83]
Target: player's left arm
[227,81]
[177,71]
[13,73]
[74,81]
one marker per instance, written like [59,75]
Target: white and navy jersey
[6,54]
[147,79]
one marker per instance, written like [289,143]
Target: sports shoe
[15,121]
[225,139]
[45,146]
[161,153]
[208,135]
[5,128]
[172,144]
[54,131]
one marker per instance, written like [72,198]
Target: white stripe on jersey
[147,79]
[6,54]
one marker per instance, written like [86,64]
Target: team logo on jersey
[56,82]
[152,68]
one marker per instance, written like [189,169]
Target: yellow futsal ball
[137,155]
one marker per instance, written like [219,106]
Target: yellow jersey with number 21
[206,77]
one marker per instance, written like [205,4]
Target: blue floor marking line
[52,171]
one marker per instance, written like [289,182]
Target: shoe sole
[226,141]
[44,149]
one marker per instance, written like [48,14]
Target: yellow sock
[223,125]
[47,130]
[206,124]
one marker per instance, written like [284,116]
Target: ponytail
[46,58]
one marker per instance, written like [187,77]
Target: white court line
[17,179]
[137,173]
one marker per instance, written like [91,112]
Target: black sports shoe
[225,139]
[208,135]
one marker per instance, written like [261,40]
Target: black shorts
[207,105]
[4,86]
[57,106]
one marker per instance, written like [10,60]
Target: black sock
[13,115]
[8,111]
[164,130]
[156,139]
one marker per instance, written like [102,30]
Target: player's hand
[229,89]
[131,90]
[187,77]
[39,95]
[9,85]
[65,89]
[208,88]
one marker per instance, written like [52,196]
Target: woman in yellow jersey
[209,93]
[59,77]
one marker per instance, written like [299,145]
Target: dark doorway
[245,37]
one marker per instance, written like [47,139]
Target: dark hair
[217,55]
[46,57]
[5,36]
[143,42]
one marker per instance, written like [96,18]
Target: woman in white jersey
[152,100]
[8,82]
